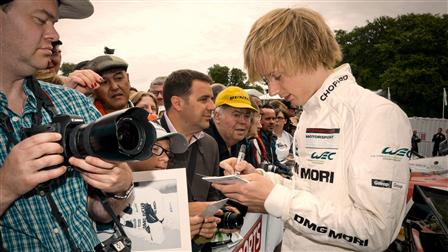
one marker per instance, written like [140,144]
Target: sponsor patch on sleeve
[387,184]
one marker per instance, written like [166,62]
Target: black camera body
[115,243]
[230,220]
[277,168]
[63,124]
[123,135]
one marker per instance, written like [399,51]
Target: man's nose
[113,84]
[51,33]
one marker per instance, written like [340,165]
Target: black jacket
[207,163]
[222,147]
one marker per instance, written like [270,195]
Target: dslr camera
[231,219]
[278,168]
[123,135]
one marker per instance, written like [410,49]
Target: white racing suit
[349,186]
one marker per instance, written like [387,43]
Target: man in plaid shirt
[26,222]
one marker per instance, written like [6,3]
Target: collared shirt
[28,225]
[196,136]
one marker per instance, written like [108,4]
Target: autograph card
[213,207]
[229,179]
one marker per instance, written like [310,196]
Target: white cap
[75,9]
[178,142]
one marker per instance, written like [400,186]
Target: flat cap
[103,63]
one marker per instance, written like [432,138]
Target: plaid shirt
[28,225]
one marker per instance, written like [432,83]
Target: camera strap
[5,124]
[58,216]
[117,225]
[42,100]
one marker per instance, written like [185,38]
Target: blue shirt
[28,225]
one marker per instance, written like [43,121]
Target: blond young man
[349,187]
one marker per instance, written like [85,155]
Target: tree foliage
[237,77]
[227,76]
[219,74]
[408,54]
[67,68]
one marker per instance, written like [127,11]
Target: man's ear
[216,116]
[177,103]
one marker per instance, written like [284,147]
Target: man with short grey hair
[156,88]
[231,121]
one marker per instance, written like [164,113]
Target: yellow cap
[234,97]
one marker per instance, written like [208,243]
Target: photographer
[348,191]
[31,169]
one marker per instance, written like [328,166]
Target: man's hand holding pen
[241,155]
[252,194]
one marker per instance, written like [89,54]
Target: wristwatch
[126,194]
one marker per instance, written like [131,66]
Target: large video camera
[123,135]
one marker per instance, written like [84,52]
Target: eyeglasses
[159,150]
[156,93]
[278,118]
[241,115]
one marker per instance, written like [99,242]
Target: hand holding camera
[109,177]
[23,168]
[120,136]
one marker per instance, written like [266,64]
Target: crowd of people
[311,160]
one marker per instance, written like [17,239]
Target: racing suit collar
[324,92]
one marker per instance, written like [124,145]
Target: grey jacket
[207,163]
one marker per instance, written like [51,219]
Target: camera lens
[130,136]
[120,136]
[231,220]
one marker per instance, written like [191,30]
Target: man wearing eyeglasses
[156,88]
[231,121]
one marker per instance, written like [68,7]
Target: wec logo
[399,152]
[325,156]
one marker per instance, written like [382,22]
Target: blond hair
[292,40]
[137,97]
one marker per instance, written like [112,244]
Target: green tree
[237,77]
[219,74]
[408,54]
[67,68]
